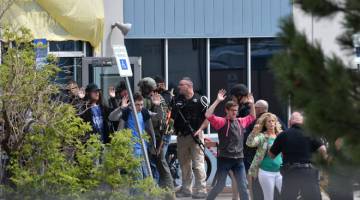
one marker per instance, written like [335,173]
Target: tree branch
[5,7]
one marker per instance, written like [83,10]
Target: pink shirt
[219,122]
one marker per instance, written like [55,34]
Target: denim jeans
[166,139]
[154,168]
[224,166]
[141,170]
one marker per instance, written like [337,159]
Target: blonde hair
[260,125]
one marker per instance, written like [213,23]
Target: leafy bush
[46,158]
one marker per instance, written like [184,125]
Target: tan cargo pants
[192,161]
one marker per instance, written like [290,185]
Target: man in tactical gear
[156,104]
[191,157]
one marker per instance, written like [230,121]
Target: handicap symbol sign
[122,60]
[123,64]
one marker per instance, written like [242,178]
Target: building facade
[217,43]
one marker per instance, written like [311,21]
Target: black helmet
[158,79]
[239,90]
[91,88]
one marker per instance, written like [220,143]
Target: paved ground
[227,196]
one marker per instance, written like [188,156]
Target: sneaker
[199,195]
[182,194]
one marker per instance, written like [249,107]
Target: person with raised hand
[231,132]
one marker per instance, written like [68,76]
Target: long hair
[87,98]
[260,126]
[85,104]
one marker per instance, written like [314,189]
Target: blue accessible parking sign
[123,64]
[122,60]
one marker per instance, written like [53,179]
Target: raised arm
[254,139]
[220,97]
[117,113]
[323,152]
[250,100]
[157,106]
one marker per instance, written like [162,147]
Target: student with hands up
[231,132]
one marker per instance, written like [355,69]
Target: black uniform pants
[303,181]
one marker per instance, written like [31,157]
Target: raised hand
[156,98]
[125,102]
[257,129]
[112,91]
[81,93]
[221,95]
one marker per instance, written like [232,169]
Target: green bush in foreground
[46,158]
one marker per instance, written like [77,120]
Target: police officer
[190,154]
[298,173]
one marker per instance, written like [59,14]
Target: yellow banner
[59,20]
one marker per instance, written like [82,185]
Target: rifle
[195,138]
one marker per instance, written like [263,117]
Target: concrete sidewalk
[228,196]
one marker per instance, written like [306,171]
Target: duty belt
[182,134]
[299,165]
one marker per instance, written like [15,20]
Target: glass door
[108,76]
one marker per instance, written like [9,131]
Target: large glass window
[187,58]
[262,79]
[70,70]
[69,54]
[151,52]
[66,46]
[228,65]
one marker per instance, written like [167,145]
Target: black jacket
[192,110]
[86,115]
[295,145]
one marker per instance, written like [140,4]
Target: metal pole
[143,147]
[166,63]
[249,64]
[289,109]
[208,77]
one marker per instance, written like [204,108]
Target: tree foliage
[46,158]
[322,85]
